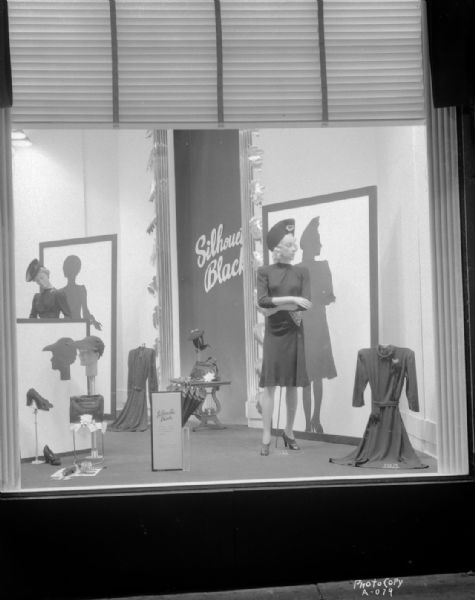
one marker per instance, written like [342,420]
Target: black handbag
[86,405]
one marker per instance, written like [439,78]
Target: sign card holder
[167,446]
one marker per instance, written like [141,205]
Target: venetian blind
[173,63]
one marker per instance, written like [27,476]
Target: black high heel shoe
[50,456]
[40,402]
[291,444]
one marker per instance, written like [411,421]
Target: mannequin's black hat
[278,231]
[33,269]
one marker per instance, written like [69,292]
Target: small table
[206,412]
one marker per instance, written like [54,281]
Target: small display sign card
[167,448]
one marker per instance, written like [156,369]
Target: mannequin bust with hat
[64,354]
[49,302]
[283,290]
[90,349]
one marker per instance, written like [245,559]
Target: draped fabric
[9,436]
[6,95]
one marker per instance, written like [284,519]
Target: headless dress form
[385,443]
[142,370]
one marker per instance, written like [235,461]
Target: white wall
[135,250]
[405,268]
[303,163]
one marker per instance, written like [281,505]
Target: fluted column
[164,269]
[9,436]
[249,274]
[452,441]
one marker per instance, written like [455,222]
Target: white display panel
[98,276]
[344,228]
[35,371]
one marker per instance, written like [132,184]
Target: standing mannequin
[318,349]
[77,294]
[49,302]
[282,291]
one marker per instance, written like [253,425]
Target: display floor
[225,455]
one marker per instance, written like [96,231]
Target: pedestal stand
[37,461]
[91,390]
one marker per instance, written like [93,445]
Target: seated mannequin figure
[90,349]
[64,354]
[49,302]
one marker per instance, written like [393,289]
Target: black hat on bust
[278,231]
[33,269]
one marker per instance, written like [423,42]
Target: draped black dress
[385,442]
[142,369]
[283,349]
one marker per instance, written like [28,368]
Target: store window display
[315,294]
[49,302]
[283,290]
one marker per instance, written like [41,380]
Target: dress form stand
[37,461]
[91,372]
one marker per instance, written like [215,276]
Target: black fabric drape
[6,94]
[451,25]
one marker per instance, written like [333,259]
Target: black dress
[134,415]
[385,442]
[49,303]
[283,349]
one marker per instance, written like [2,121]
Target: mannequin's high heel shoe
[265,449]
[290,443]
[50,456]
[40,402]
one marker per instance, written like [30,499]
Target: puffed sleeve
[411,382]
[263,298]
[361,380]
